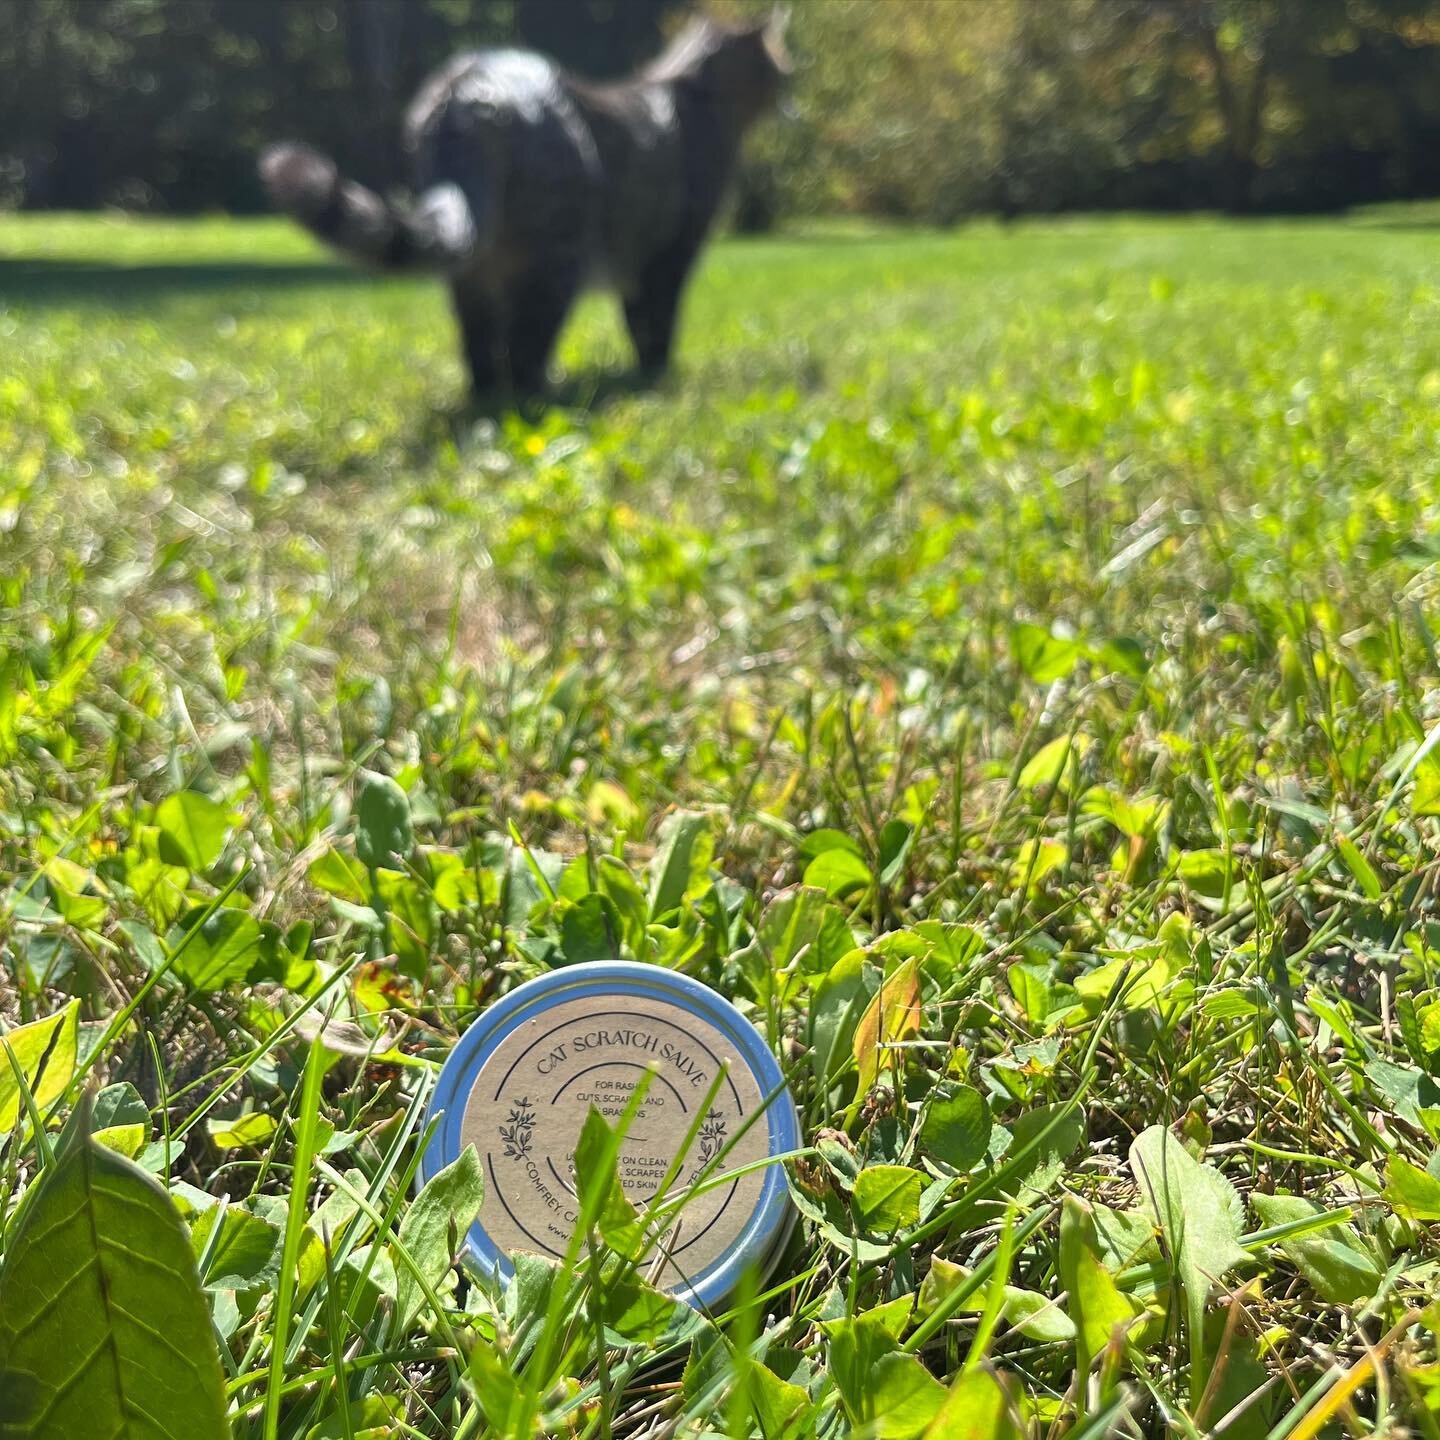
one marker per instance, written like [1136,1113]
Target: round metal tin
[522,1078]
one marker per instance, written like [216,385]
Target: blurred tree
[926,109]
[603,38]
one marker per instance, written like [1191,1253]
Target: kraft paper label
[530,1100]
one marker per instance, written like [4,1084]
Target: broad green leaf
[590,930]
[1137,818]
[221,951]
[829,1208]
[817,842]
[1414,1094]
[837,872]
[373,1418]
[887,1197]
[896,838]
[1411,1191]
[890,1393]
[1205,870]
[976,1407]
[636,1311]
[1148,969]
[434,1229]
[1200,1215]
[892,1016]
[950,950]
[1147,972]
[1126,1237]
[616,1218]
[1044,999]
[836,1151]
[835,1012]
[956,1128]
[1034,860]
[1055,763]
[104,1329]
[800,927]
[904,1398]
[1098,1309]
[681,866]
[383,833]
[1425,798]
[126,1140]
[45,1052]
[340,874]
[1028,1311]
[613,878]
[497,1387]
[146,943]
[454,883]
[780,1406]
[193,829]
[527,1295]
[412,916]
[1042,656]
[120,1104]
[1040,1145]
[72,889]
[245,1255]
[1336,1261]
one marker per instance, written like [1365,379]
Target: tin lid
[521,1080]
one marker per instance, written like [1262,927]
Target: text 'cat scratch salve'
[522,1079]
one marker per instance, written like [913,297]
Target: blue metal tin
[521,1080]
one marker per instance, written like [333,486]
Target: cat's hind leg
[538,306]
[651,313]
[482,335]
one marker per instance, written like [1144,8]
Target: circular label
[530,1099]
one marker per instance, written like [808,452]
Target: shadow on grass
[591,390]
[70,282]
[471,418]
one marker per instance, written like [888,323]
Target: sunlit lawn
[1054,601]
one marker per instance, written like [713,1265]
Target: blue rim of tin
[770,1222]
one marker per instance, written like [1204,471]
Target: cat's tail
[437,232]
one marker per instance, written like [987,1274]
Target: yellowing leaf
[45,1052]
[126,1140]
[893,1015]
[243,1131]
[609,804]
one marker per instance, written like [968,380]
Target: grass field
[1039,618]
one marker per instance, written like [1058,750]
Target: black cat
[531,183]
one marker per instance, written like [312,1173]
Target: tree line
[928,110]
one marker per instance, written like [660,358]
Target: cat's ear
[774,33]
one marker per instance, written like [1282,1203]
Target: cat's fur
[531,183]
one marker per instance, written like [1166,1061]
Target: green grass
[1052,603]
